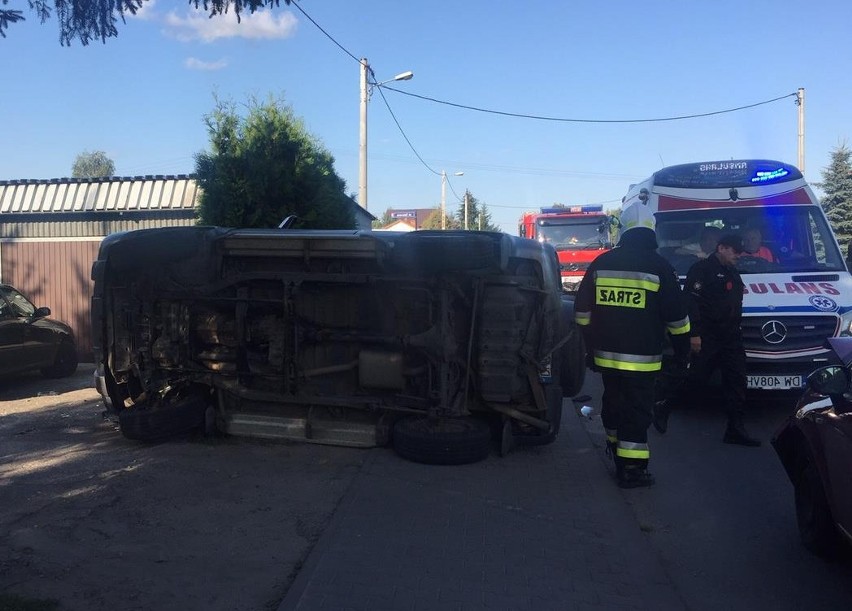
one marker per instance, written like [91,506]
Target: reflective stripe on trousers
[636,451]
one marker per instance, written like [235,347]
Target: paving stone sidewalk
[542,528]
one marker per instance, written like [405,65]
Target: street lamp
[444,196]
[366,71]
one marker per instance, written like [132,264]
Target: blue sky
[141,97]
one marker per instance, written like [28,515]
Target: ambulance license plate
[781,382]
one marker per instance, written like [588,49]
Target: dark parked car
[434,340]
[29,340]
[815,446]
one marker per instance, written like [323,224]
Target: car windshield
[571,235]
[21,306]
[777,239]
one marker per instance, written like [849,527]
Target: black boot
[632,473]
[736,433]
[634,477]
[662,409]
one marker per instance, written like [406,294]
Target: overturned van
[436,341]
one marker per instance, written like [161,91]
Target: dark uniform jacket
[627,299]
[715,297]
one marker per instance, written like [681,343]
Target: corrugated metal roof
[112,194]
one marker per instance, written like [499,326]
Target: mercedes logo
[774,332]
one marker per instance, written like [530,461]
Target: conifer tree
[264,167]
[837,188]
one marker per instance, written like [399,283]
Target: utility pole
[362,144]
[800,102]
[465,210]
[366,88]
[443,199]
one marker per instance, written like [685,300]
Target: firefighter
[714,291]
[626,301]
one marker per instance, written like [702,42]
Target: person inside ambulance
[706,244]
[629,297]
[753,245]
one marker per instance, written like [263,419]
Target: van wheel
[64,363]
[442,441]
[572,373]
[572,354]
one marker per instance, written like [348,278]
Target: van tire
[572,354]
[146,424]
[442,441]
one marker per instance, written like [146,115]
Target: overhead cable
[568,120]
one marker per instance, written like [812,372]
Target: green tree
[478,217]
[92,165]
[837,188]
[89,20]
[264,167]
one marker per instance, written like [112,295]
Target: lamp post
[444,196]
[366,88]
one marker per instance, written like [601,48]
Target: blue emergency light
[770,175]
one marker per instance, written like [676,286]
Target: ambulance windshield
[777,239]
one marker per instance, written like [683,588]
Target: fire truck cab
[578,233]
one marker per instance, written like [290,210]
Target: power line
[381,87]
[567,120]
[399,127]
[320,28]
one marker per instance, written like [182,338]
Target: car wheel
[813,515]
[442,441]
[65,361]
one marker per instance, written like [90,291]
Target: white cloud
[194,63]
[146,12]
[198,25]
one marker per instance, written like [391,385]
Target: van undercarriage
[330,337]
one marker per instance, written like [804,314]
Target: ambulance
[798,290]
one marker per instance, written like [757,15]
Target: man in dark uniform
[714,291]
[626,301]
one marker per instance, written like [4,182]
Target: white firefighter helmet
[636,215]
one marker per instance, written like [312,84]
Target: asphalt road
[96,522]
[721,517]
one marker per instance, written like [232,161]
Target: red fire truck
[578,233]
